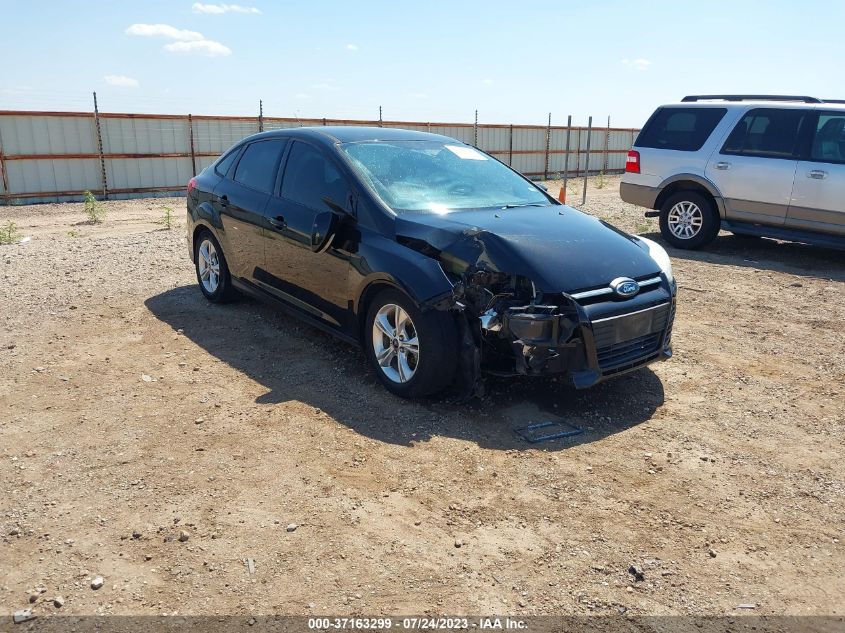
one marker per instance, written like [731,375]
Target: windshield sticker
[467,153]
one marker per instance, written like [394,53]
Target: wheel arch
[690,182]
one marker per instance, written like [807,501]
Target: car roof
[756,103]
[333,134]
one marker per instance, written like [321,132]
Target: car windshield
[439,177]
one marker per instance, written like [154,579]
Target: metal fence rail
[57,156]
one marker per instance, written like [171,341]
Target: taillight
[192,184]
[632,164]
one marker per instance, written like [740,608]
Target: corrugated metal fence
[57,156]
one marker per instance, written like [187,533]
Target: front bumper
[587,344]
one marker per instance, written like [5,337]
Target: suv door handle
[818,174]
[278,222]
[224,200]
[722,165]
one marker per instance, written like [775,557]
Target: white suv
[768,166]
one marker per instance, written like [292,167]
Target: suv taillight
[632,163]
[192,183]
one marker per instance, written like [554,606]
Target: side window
[683,129]
[257,167]
[766,132]
[829,138]
[309,177]
[222,165]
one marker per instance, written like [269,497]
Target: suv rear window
[682,129]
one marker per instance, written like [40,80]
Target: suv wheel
[688,220]
[212,271]
[412,352]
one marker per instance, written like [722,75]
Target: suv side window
[222,165]
[257,167]
[766,132]
[309,177]
[682,129]
[829,138]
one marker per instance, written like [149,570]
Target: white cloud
[487,82]
[219,9]
[352,47]
[121,81]
[190,42]
[164,30]
[209,48]
[637,64]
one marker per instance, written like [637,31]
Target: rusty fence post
[510,146]
[380,121]
[548,147]
[606,146]
[260,115]
[100,149]
[566,154]
[475,130]
[7,196]
[191,141]
[587,160]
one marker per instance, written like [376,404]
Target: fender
[204,215]
[420,277]
[699,180]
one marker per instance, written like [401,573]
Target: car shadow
[765,254]
[297,362]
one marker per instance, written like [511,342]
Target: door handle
[278,222]
[722,165]
[224,201]
[818,174]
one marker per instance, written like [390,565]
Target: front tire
[413,353]
[689,220]
[213,276]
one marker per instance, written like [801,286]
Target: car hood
[558,248]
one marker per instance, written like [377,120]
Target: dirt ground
[157,441]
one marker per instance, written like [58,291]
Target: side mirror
[542,186]
[323,231]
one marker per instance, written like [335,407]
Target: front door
[755,168]
[313,282]
[818,198]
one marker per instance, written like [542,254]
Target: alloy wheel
[395,343]
[685,220]
[208,265]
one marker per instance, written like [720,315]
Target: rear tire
[417,358]
[689,220]
[213,276]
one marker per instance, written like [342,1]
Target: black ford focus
[442,262]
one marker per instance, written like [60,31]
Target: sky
[514,62]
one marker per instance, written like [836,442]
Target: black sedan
[439,260]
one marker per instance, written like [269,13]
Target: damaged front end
[509,327]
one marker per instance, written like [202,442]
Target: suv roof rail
[690,98]
[833,100]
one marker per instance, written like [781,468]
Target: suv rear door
[755,168]
[818,197]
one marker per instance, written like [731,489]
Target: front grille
[630,339]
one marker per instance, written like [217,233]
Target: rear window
[682,129]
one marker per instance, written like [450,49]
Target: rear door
[755,168]
[818,198]
[240,200]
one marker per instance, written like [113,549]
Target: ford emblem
[625,286]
